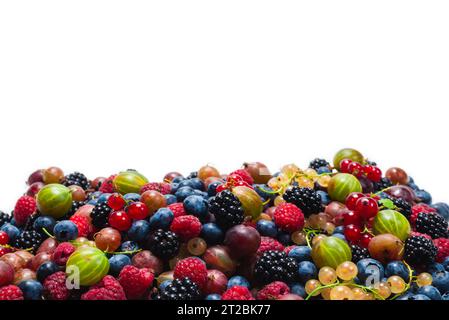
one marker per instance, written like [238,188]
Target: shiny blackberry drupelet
[179,289]
[419,250]
[192,175]
[164,244]
[75,206]
[432,224]
[78,179]
[382,184]
[100,215]
[227,209]
[275,266]
[359,253]
[403,207]
[28,240]
[29,225]
[308,200]
[318,163]
[4,218]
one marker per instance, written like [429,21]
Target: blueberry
[178,179]
[370,271]
[44,222]
[301,253]
[238,281]
[325,198]
[435,267]
[164,285]
[321,170]
[212,188]
[117,262]
[267,228]
[197,184]
[65,230]
[431,292]
[264,191]
[45,269]
[340,236]
[339,229]
[174,187]
[95,195]
[306,271]
[170,199]
[445,296]
[185,183]
[405,296]
[297,288]
[161,219]
[442,209]
[441,281]
[424,196]
[183,192]
[284,238]
[12,231]
[32,289]
[133,197]
[212,233]
[129,246]
[92,202]
[445,263]
[397,268]
[103,198]
[139,230]
[200,193]
[213,296]
[418,297]
[196,205]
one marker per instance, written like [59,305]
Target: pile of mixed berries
[340,231]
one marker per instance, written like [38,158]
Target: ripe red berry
[352,198]
[120,220]
[138,210]
[365,240]
[374,174]
[356,169]
[4,250]
[116,201]
[351,217]
[353,233]
[366,207]
[344,165]
[4,238]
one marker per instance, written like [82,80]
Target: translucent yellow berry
[312,285]
[318,238]
[397,284]
[326,293]
[358,293]
[341,293]
[347,270]
[424,279]
[327,275]
[299,238]
[278,200]
[383,289]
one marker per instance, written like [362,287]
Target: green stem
[321,288]
[48,233]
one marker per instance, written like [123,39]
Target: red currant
[138,210]
[375,174]
[350,217]
[352,198]
[344,165]
[356,169]
[221,187]
[4,251]
[120,220]
[366,207]
[353,233]
[365,240]
[4,238]
[116,201]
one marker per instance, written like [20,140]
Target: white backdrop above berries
[102,86]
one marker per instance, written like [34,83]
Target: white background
[101,86]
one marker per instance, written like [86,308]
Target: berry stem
[48,233]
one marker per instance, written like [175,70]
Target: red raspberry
[193,268]
[418,234]
[186,227]
[268,243]
[244,175]
[177,209]
[417,209]
[237,293]
[273,291]
[62,253]
[106,186]
[83,224]
[135,281]
[107,289]
[289,217]
[443,248]
[162,187]
[11,292]
[55,287]
[24,208]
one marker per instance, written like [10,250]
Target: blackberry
[29,225]
[78,179]
[100,215]
[275,266]
[4,218]
[227,209]
[75,206]
[419,250]
[192,175]
[359,253]
[164,244]
[308,200]
[371,163]
[179,289]
[318,163]
[432,224]
[28,240]
[382,184]
[403,207]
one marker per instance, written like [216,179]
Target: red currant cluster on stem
[361,212]
[124,214]
[373,173]
[233,180]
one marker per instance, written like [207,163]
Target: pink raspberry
[136,282]
[11,292]
[442,245]
[62,253]
[273,291]
[83,224]
[162,187]
[289,217]
[24,208]
[55,287]
[107,289]
[106,186]
[237,293]
[192,268]
[186,227]
[268,243]
[177,209]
